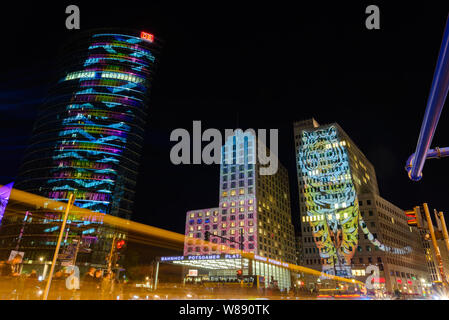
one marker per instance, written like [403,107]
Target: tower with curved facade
[88,137]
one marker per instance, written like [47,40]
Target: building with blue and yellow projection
[89,133]
[346,225]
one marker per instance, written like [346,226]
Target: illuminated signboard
[175,258]
[276,262]
[201,257]
[205,257]
[147,36]
[193,272]
[378,280]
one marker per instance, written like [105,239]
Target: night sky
[259,66]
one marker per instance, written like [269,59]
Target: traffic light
[239,274]
[206,235]
[120,244]
[411,218]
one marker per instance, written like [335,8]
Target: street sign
[15,253]
[68,256]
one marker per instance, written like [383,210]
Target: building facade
[402,269]
[88,136]
[341,237]
[251,205]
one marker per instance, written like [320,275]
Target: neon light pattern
[331,201]
[5,192]
[99,119]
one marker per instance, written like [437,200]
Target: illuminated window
[251,208]
[224,194]
[224,205]
[232,203]
[242,191]
[207,213]
[242,223]
[199,228]
[223,225]
[192,215]
[215,219]
[191,228]
[232,210]
[242,202]
[242,209]
[251,230]
[190,235]
[232,192]
[250,201]
[233,231]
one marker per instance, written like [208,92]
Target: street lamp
[41,259]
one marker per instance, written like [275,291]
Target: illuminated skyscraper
[346,225]
[250,203]
[89,132]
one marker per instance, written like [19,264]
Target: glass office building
[88,136]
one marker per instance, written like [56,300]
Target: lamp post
[58,245]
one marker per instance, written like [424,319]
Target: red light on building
[378,280]
[120,244]
[409,281]
[147,36]
[399,280]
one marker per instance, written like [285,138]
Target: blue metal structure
[435,103]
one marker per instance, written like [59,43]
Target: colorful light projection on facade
[331,200]
[332,209]
[237,201]
[99,122]
[237,198]
[5,192]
